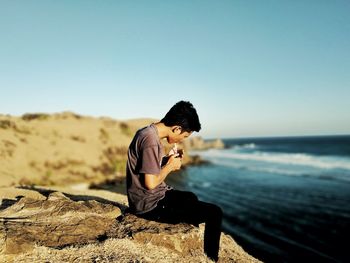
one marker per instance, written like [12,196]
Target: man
[149,196]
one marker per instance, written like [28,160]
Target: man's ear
[177,129]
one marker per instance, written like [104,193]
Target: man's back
[144,157]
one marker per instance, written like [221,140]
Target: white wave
[245,146]
[202,185]
[285,171]
[300,159]
[260,168]
[206,184]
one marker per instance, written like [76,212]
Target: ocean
[284,199]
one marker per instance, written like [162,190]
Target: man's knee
[214,209]
[192,196]
[189,197]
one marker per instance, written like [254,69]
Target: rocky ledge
[40,224]
[197,143]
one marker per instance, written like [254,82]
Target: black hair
[183,114]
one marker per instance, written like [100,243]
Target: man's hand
[173,151]
[174,162]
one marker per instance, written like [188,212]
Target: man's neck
[163,130]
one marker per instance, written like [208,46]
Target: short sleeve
[150,160]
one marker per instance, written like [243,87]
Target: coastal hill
[63,148]
[49,213]
[67,148]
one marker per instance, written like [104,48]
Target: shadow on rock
[47,192]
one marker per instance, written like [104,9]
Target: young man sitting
[149,196]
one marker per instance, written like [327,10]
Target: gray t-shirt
[144,157]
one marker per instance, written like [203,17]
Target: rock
[50,226]
[180,238]
[197,143]
[55,222]
[217,144]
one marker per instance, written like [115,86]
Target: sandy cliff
[63,148]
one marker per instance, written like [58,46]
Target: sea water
[284,199]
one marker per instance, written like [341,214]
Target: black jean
[184,207]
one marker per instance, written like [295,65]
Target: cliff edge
[42,224]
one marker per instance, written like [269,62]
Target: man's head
[182,119]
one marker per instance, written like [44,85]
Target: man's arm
[153,180]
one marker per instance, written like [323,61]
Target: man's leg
[184,207]
[176,207]
[212,215]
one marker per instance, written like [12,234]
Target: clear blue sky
[251,68]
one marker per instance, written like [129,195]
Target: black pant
[184,207]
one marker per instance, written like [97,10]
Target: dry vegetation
[64,148]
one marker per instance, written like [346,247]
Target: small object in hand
[180,152]
[165,160]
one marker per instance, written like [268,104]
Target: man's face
[177,135]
